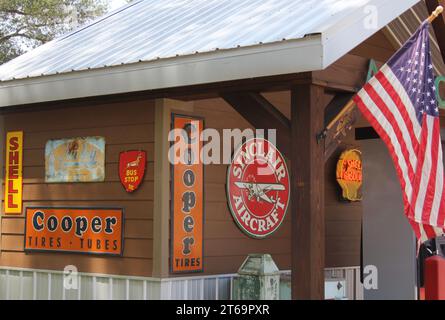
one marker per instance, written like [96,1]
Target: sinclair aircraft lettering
[258,188]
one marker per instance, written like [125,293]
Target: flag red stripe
[416,228]
[400,106]
[420,161]
[382,133]
[429,230]
[431,189]
[394,124]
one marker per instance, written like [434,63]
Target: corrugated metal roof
[154,29]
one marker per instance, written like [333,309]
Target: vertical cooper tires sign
[187,195]
[258,188]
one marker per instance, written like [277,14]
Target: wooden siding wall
[226,247]
[125,127]
[343,218]
[130,126]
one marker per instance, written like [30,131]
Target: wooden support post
[307,187]
[161,206]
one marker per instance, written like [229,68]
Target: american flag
[400,103]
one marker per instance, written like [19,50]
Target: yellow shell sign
[349,174]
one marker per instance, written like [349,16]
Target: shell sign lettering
[13,175]
[349,174]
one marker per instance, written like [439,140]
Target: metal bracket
[322,135]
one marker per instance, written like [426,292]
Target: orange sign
[187,196]
[349,174]
[13,174]
[81,230]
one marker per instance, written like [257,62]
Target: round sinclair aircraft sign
[258,187]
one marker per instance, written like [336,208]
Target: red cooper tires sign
[258,188]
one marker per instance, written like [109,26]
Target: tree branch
[11,35]
[22,35]
[15,11]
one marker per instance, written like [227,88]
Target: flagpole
[435,14]
[351,103]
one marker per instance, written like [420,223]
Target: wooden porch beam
[261,114]
[438,26]
[307,193]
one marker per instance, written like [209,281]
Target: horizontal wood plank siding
[130,126]
[226,247]
[125,126]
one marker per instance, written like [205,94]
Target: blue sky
[114,4]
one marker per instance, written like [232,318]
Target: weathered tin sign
[349,174]
[132,166]
[75,160]
[187,197]
[13,174]
[258,188]
[81,230]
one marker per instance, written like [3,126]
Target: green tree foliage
[26,24]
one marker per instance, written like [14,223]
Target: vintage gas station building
[112,87]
